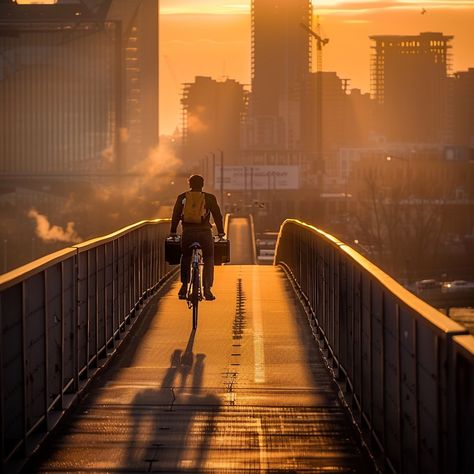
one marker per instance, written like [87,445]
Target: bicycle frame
[194,293]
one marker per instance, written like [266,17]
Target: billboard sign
[264,177]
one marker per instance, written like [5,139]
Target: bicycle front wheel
[195,314]
[195,292]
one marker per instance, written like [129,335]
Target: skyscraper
[78,86]
[409,79]
[462,103]
[212,112]
[281,63]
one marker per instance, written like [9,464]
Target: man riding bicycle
[194,208]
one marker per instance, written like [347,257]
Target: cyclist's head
[196,182]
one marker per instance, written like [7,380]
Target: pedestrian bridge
[319,363]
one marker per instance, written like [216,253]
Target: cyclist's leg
[196,290]
[195,282]
[207,245]
[186,253]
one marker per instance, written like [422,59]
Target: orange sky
[212,38]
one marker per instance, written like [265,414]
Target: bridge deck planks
[246,392]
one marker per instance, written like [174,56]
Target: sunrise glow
[323,7]
[218,45]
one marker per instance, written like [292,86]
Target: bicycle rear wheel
[195,296]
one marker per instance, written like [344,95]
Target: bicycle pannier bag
[173,251]
[194,207]
[221,252]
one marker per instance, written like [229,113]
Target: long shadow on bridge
[153,413]
[247,391]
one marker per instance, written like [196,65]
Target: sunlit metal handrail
[406,370]
[252,237]
[61,317]
[226,222]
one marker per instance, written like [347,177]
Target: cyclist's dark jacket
[211,206]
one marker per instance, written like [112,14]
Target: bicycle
[194,293]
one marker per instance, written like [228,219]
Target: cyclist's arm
[216,215]
[177,213]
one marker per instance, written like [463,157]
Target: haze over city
[212,38]
[237,236]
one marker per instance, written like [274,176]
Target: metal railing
[405,370]
[61,317]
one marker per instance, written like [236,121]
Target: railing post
[2,390]
[114,275]
[24,367]
[417,397]
[353,324]
[104,301]
[361,360]
[383,387]
[62,335]
[399,394]
[371,365]
[76,320]
[96,315]
[452,402]
[88,313]
[46,345]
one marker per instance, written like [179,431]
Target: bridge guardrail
[405,369]
[463,366]
[60,319]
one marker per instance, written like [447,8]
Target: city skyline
[213,39]
[331,7]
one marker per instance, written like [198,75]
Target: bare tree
[401,209]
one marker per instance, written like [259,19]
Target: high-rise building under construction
[281,63]
[409,82]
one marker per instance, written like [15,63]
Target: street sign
[264,177]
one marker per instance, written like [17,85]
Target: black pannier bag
[221,252]
[173,250]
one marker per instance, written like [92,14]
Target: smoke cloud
[108,154]
[196,124]
[160,162]
[146,191]
[147,178]
[53,233]
[77,210]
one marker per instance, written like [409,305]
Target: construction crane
[320,42]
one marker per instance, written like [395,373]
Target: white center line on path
[259,353]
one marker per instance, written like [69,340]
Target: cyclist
[194,208]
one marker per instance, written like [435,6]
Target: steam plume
[53,233]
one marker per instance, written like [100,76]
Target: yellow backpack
[194,207]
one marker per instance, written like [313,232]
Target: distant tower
[82,96]
[281,63]
[212,112]
[462,90]
[409,80]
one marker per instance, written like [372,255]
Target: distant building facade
[409,83]
[78,87]
[139,23]
[462,111]
[359,123]
[281,63]
[212,114]
[346,116]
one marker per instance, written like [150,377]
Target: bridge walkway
[242,250]
[247,391]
